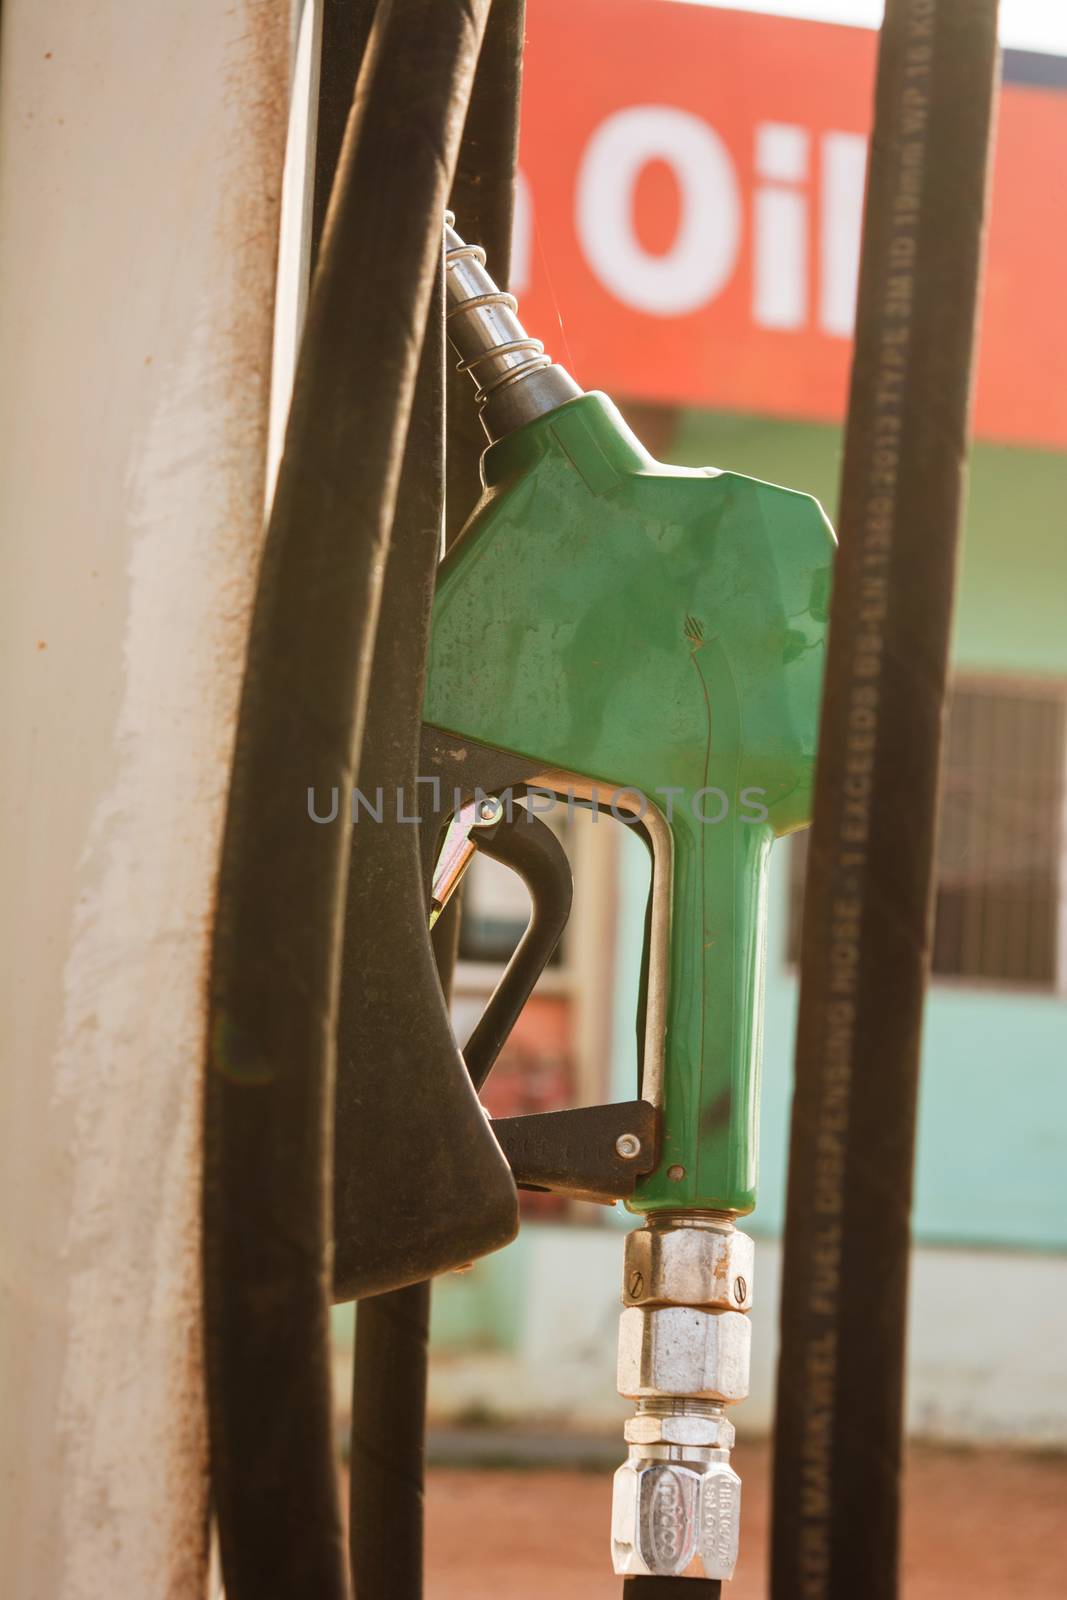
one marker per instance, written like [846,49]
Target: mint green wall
[992,1157]
[1012,601]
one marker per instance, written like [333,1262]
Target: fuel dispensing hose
[867,912]
[276,948]
[385,1517]
[392,1329]
[646,1588]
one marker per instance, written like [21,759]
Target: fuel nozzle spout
[516,381]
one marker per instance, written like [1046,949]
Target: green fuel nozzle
[656,630]
[650,638]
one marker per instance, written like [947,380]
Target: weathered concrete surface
[140,164]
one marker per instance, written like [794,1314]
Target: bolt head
[628,1146]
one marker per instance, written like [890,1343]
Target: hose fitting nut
[708,1265]
[709,1430]
[671,1518]
[679,1350]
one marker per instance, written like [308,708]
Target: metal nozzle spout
[516,381]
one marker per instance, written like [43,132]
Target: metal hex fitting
[654,1518]
[720,1520]
[677,1350]
[704,1265]
[668,1518]
[713,1433]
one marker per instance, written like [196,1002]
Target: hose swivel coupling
[516,381]
[683,1357]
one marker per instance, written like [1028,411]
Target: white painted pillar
[141,155]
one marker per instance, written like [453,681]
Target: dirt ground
[976,1523]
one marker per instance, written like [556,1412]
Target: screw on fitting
[515,380]
[694,1259]
[683,1360]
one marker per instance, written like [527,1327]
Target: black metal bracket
[583,1153]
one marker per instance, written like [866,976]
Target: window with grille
[1000,877]
[496,909]
[496,904]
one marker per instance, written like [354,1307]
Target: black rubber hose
[867,914]
[483,199]
[388,1439]
[390,1369]
[346,26]
[385,1525]
[276,946]
[389,1444]
[671,1589]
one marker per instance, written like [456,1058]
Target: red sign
[690,211]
